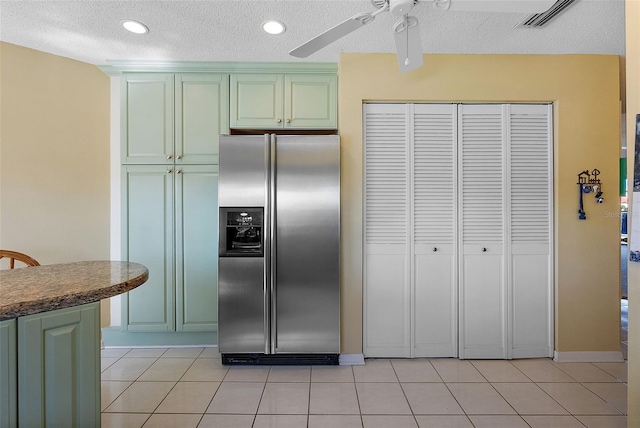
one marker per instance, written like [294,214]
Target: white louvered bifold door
[387,277]
[434,230]
[481,195]
[458,230]
[530,180]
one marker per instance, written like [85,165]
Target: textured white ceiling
[216,30]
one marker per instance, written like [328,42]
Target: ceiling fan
[407,31]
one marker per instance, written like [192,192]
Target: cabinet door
[59,370]
[310,101]
[482,290]
[530,199]
[387,293]
[147,118]
[202,114]
[148,239]
[435,300]
[197,248]
[8,374]
[257,101]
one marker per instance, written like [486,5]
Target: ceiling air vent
[542,19]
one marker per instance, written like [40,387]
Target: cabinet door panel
[435,326]
[256,101]
[481,194]
[387,293]
[202,114]
[483,329]
[310,101]
[434,229]
[148,239]
[147,118]
[531,303]
[197,248]
[531,219]
[387,328]
[8,374]
[59,370]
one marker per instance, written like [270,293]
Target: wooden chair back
[14,255]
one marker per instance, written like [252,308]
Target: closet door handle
[484,250]
[434,249]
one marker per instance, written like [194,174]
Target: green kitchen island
[50,340]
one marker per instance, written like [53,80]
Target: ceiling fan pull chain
[406,23]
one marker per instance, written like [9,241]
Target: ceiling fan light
[273,27]
[400,7]
[135,26]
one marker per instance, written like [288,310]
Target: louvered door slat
[481,174]
[385,176]
[530,175]
[434,174]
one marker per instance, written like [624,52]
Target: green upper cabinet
[147,118]
[287,101]
[201,115]
[310,101]
[169,118]
[256,101]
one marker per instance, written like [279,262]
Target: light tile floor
[189,387]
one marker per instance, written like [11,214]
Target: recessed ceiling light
[273,27]
[135,26]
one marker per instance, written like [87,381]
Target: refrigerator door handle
[272,241]
[267,246]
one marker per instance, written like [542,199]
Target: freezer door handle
[267,246]
[272,239]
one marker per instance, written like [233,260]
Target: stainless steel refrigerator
[279,249]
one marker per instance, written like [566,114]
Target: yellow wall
[54,164]
[585,92]
[54,157]
[632,16]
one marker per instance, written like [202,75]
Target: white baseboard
[351,359]
[588,357]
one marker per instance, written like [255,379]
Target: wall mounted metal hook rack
[588,182]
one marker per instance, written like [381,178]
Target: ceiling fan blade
[408,45]
[332,34]
[514,6]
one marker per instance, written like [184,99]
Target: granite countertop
[31,290]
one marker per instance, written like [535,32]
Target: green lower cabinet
[148,239]
[8,374]
[171,226]
[197,248]
[59,368]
